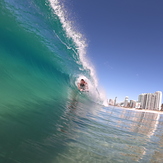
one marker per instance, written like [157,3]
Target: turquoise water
[43,117]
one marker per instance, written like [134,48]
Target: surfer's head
[82,81]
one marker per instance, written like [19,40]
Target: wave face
[43,117]
[42,57]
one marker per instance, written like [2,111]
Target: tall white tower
[126,101]
[153,101]
[148,101]
[142,99]
[158,100]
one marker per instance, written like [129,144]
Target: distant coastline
[141,110]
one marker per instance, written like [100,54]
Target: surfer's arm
[79,86]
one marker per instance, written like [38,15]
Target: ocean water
[43,117]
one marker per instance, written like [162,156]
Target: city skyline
[148,101]
[151,101]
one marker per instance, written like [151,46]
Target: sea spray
[80,50]
[77,37]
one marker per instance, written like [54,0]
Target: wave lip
[77,38]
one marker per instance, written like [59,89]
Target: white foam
[81,45]
[77,37]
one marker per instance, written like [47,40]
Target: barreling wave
[77,37]
[43,116]
[42,55]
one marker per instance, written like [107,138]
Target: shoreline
[141,110]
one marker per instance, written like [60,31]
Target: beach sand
[143,110]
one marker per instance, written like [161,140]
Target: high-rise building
[126,101]
[132,104]
[158,100]
[115,101]
[150,101]
[142,99]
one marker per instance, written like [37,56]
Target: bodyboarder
[83,85]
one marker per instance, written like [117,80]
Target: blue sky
[125,43]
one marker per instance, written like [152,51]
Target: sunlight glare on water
[105,134]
